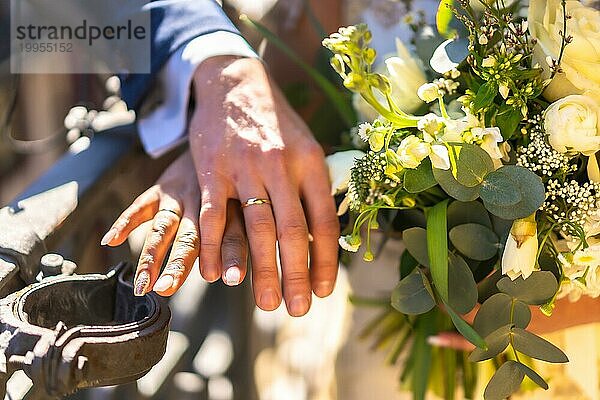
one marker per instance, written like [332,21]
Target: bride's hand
[173,204]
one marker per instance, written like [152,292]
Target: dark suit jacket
[174,23]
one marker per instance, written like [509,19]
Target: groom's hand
[247,142]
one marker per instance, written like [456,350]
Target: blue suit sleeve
[173,23]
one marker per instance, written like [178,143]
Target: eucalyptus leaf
[501,227]
[413,294]
[472,164]
[495,313]
[475,241]
[536,347]
[466,330]
[485,95]
[462,289]
[453,188]
[487,288]
[415,240]
[505,381]
[469,212]
[437,247]
[419,179]
[538,288]
[499,189]
[407,264]
[496,341]
[449,55]
[534,376]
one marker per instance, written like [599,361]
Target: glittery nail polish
[142,281]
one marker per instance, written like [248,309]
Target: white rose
[412,151]
[573,125]
[406,75]
[581,57]
[340,165]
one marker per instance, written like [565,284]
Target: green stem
[510,335]
[563,44]
[443,108]
[401,121]
[544,240]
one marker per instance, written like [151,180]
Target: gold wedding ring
[254,201]
[170,211]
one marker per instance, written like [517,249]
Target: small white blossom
[349,243]
[431,124]
[364,131]
[429,92]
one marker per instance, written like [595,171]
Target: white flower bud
[429,92]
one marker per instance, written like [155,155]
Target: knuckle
[209,246]
[176,266]
[314,151]
[261,225]
[265,273]
[234,241]
[296,278]
[327,227]
[161,225]
[187,241]
[293,231]
[147,258]
[276,157]
[211,214]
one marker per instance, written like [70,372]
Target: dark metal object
[51,264]
[30,225]
[73,332]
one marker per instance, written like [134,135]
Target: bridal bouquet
[495,186]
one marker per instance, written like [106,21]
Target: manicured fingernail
[232,276]
[324,288]
[269,299]
[298,306]
[141,283]
[108,237]
[165,282]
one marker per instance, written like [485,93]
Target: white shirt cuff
[165,127]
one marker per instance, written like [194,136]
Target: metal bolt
[51,264]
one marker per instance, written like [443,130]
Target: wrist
[223,73]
